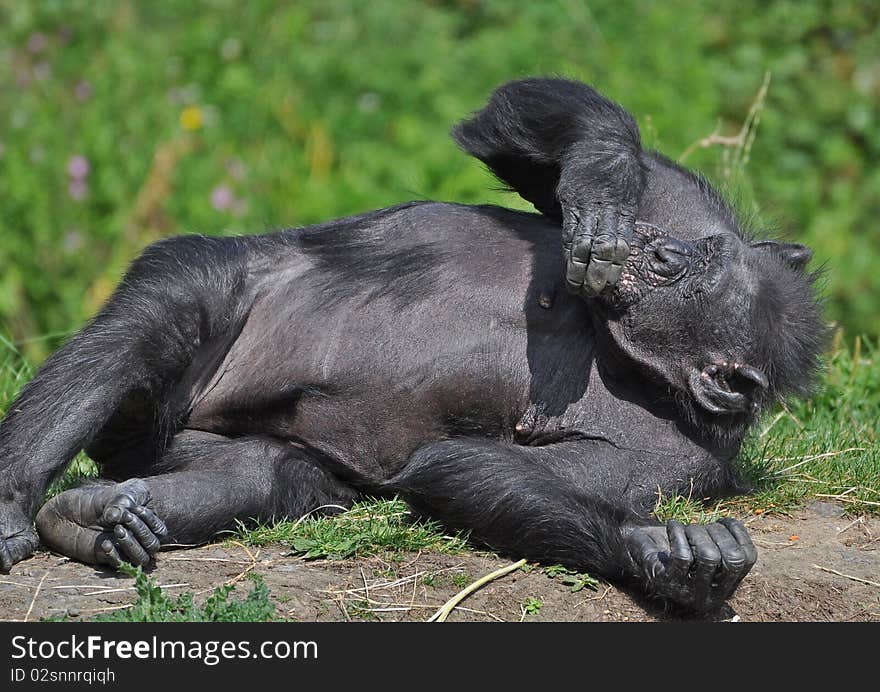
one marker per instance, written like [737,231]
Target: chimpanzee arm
[180,295]
[577,157]
[578,504]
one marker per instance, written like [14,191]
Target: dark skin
[265,377]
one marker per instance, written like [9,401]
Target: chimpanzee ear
[795,255]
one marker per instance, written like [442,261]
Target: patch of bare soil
[815,565]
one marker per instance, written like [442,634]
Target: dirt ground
[818,564]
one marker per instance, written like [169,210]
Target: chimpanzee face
[729,325]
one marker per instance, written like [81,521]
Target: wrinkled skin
[433,352]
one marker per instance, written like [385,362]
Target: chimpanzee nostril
[670,256]
[672,250]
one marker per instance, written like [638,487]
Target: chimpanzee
[535,379]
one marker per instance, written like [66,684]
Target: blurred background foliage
[123,122]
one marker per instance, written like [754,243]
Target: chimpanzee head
[729,325]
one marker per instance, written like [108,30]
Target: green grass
[824,447]
[369,528]
[154,605]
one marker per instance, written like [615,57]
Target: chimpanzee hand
[697,566]
[103,524]
[18,539]
[598,216]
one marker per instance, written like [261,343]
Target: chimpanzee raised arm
[576,156]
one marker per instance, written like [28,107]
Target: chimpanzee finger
[132,549]
[733,559]
[598,276]
[645,552]
[605,240]
[577,257]
[106,552]
[741,535]
[584,232]
[114,511]
[680,556]
[146,538]
[569,226]
[744,541]
[707,557]
[575,272]
[151,519]
[625,227]
[602,253]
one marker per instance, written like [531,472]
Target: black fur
[431,351]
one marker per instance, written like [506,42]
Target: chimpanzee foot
[18,539]
[697,566]
[103,524]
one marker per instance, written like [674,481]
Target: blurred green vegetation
[122,122]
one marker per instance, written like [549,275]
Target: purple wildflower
[222,198]
[78,167]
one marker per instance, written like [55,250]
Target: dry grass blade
[449,606]
[813,457]
[853,500]
[847,576]
[36,593]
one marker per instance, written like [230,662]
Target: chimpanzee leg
[572,503]
[181,296]
[215,482]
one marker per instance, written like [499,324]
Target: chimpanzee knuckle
[707,558]
[681,555]
[575,272]
[604,245]
[627,214]
[582,245]
[741,535]
[734,559]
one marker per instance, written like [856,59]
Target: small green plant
[461,579]
[429,580]
[532,605]
[154,605]
[576,581]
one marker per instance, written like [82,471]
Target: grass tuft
[369,528]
